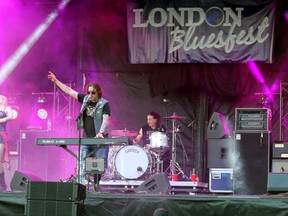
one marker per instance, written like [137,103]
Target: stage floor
[112,202]
[116,204]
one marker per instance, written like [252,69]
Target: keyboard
[83,141]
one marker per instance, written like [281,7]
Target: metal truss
[283,109]
[63,112]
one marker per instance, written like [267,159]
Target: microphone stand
[81,156]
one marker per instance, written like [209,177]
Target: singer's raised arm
[67,89]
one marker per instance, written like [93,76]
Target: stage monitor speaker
[220,153]
[277,183]
[217,127]
[55,208]
[156,184]
[251,165]
[58,191]
[20,180]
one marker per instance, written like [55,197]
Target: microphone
[178,128]
[165,100]
[88,98]
[191,123]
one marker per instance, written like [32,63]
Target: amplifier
[279,166]
[253,119]
[280,150]
[277,183]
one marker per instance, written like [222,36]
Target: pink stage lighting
[42,113]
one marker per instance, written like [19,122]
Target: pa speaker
[217,127]
[156,184]
[20,180]
[251,165]
[55,208]
[58,191]
[220,153]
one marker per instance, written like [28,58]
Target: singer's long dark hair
[97,87]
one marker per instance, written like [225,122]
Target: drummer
[153,125]
[142,139]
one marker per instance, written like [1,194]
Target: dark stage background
[88,42]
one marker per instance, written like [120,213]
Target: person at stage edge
[93,118]
[153,125]
[5,116]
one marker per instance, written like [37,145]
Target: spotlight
[42,113]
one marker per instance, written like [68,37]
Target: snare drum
[132,162]
[158,141]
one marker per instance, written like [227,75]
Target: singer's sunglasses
[91,92]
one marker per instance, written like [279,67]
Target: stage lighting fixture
[42,113]
[41,99]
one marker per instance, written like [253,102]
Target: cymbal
[121,133]
[174,117]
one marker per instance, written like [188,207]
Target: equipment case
[221,180]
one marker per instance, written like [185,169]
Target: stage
[185,198]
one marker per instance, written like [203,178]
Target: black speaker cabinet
[251,166]
[156,184]
[53,208]
[60,191]
[42,161]
[217,127]
[220,153]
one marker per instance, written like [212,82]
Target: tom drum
[158,141]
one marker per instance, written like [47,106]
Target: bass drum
[132,162]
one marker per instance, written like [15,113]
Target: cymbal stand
[158,162]
[174,166]
[181,142]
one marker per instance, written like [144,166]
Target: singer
[93,118]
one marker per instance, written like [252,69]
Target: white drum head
[131,162]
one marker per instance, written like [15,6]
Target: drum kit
[134,162]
